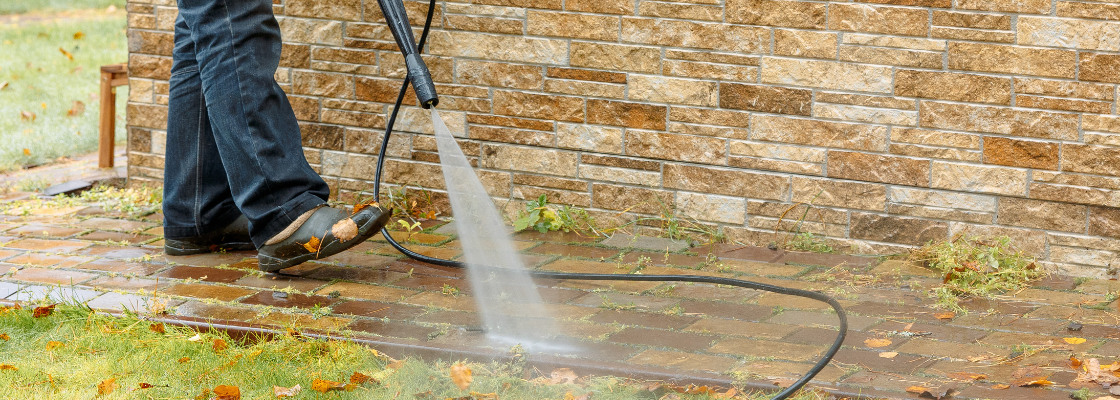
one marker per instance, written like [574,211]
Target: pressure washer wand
[418,73]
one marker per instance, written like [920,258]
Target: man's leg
[197,200]
[237,45]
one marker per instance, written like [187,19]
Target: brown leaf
[1036,381]
[1074,362]
[3,85]
[224,392]
[106,386]
[361,206]
[43,311]
[77,109]
[8,367]
[66,53]
[157,328]
[220,345]
[562,376]
[877,342]
[51,345]
[359,378]
[945,315]
[967,376]
[461,375]
[1001,386]
[79,35]
[345,229]
[888,354]
[917,389]
[936,394]
[313,245]
[5,337]
[281,392]
[323,386]
[27,116]
[145,386]
[1028,372]
[184,359]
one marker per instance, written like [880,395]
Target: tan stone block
[511,135]
[586,75]
[788,42]
[546,4]
[518,104]
[714,57]
[333,54]
[724,181]
[661,89]
[765,98]
[833,193]
[616,57]
[367,31]
[707,207]
[581,26]
[1088,10]
[1104,221]
[1015,6]
[1091,159]
[150,42]
[878,19]
[529,159]
[140,90]
[979,179]
[878,168]
[953,86]
[669,146]
[1076,180]
[763,164]
[555,196]
[972,34]
[1068,33]
[894,41]
[419,120]
[1104,123]
[323,84]
[621,162]
[705,130]
[940,213]
[792,14]
[904,58]
[780,210]
[891,229]
[620,175]
[916,3]
[499,47]
[866,114]
[1048,87]
[311,31]
[972,20]
[1007,121]
[584,88]
[1032,242]
[639,200]
[1042,214]
[942,153]
[1099,67]
[351,118]
[1086,106]
[631,115]
[703,35]
[392,65]
[499,74]
[624,7]
[819,133]
[935,138]
[943,199]
[551,182]
[141,21]
[865,100]
[144,66]
[146,116]
[349,10]
[599,139]
[1074,194]
[826,74]
[770,150]
[794,225]
[703,70]
[381,90]
[682,11]
[484,24]
[1012,59]
[710,117]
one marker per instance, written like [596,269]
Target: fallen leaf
[1037,381]
[51,345]
[888,354]
[345,229]
[563,376]
[877,342]
[184,359]
[145,386]
[967,376]
[281,392]
[27,116]
[461,375]
[26,151]
[361,206]
[359,378]
[3,85]
[43,311]
[483,396]
[157,328]
[77,109]
[323,386]
[5,337]
[917,389]
[8,367]
[79,35]
[313,245]
[1074,362]
[66,53]
[1001,386]
[224,392]
[936,394]
[945,315]
[220,345]
[194,338]
[106,386]
[1074,340]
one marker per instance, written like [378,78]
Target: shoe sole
[274,264]
[177,248]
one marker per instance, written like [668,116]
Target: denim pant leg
[237,45]
[196,194]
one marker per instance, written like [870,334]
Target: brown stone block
[510,122]
[531,105]
[323,84]
[972,20]
[1071,194]
[586,75]
[766,99]
[580,26]
[766,164]
[349,10]
[915,3]
[940,213]
[1049,87]
[792,14]
[343,55]
[298,56]
[910,231]
[935,152]
[529,159]
[1041,214]
[694,12]
[1007,121]
[725,181]
[306,108]
[368,31]
[1091,159]
[668,146]
[819,133]
[144,66]
[953,86]
[1086,106]
[320,136]
[631,115]
[149,42]
[899,57]
[640,200]
[972,34]
[878,19]
[147,116]
[551,182]
[353,118]
[620,162]
[499,74]
[499,47]
[1099,67]
[788,42]
[509,135]
[616,57]
[392,65]
[703,35]
[878,168]
[712,57]
[1015,6]
[865,100]
[1013,59]
[702,70]
[624,7]
[1104,221]
[416,10]
[832,193]
[1088,10]
[705,130]
[484,24]
[139,140]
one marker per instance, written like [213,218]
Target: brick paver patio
[110,262]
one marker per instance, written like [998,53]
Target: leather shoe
[235,236]
[327,232]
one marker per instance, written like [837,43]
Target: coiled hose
[820,365]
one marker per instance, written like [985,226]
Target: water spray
[421,80]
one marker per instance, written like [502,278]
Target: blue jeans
[233,142]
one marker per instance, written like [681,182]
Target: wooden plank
[115,68]
[107,124]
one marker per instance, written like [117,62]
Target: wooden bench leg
[108,123]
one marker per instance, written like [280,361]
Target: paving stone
[56,294]
[224,312]
[767,348]
[661,258]
[122,267]
[902,363]
[937,332]
[126,283]
[1008,322]
[987,306]
[367,292]
[809,318]
[101,236]
[1056,282]
[437,252]
[9,253]
[556,311]
[686,341]
[940,349]
[448,229]
[302,321]
[585,330]
[46,260]
[44,231]
[684,361]
[205,291]
[455,318]
[1080,314]
[706,291]
[903,268]
[743,312]
[795,302]
[567,250]
[731,251]
[649,320]
[52,276]
[1057,298]
[1011,339]
[581,266]
[114,224]
[640,303]
[392,329]
[761,268]
[274,281]
[376,309]
[854,339]
[1012,393]
[557,236]
[210,259]
[557,295]
[366,275]
[415,237]
[438,300]
[1110,348]
[360,259]
[48,245]
[790,370]
[202,273]
[288,300]
[891,381]
[1097,331]
[645,242]
[825,260]
[740,328]
[130,302]
[905,312]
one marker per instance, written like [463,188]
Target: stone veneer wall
[912,120]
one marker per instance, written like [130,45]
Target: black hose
[612,277]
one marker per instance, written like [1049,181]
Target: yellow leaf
[461,375]
[8,367]
[323,386]
[224,392]
[106,386]
[79,35]
[917,389]
[26,152]
[313,245]
[66,53]
[1074,340]
[4,336]
[184,359]
[3,85]
[1001,386]
[359,378]
[77,109]
[945,315]
[51,345]
[877,342]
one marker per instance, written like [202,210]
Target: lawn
[40,119]
[23,6]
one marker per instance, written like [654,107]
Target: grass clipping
[976,267]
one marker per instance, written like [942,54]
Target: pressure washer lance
[421,80]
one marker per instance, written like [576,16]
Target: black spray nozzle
[418,73]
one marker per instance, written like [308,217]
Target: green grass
[976,267]
[23,6]
[96,347]
[43,81]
